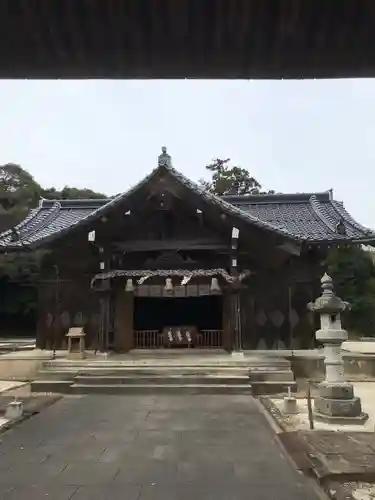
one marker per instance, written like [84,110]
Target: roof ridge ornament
[164,159]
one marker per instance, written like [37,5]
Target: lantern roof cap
[328,302]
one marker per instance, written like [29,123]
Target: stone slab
[148,447]
[361,346]
[342,454]
[362,491]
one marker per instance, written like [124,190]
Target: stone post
[336,402]
[14,410]
[76,333]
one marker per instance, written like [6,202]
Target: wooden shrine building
[167,264]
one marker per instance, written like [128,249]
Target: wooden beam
[77,40]
[31,19]
[260,34]
[243,33]
[137,37]
[345,25]
[51,20]
[92,38]
[156,245]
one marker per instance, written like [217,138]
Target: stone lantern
[336,401]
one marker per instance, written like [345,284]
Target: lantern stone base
[339,411]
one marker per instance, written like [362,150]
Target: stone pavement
[146,447]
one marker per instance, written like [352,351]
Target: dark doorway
[154,313]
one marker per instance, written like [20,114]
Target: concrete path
[148,448]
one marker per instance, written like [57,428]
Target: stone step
[166,364]
[54,386]
[166,374]
[272,387]
[256,374]
[71,374]
[161,380]
[257,388]
[153,368]
[56,375]
[161,389]
[154,372]
[271,375]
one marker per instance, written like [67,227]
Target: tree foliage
[71,193]
[17,186]
[227,179]
[19,272]
[353,272]
[21,267]
[18,193]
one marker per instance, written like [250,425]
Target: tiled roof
[310,217]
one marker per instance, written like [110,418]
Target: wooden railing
[210,339]
[153,339]
[147,339]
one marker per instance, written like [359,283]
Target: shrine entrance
[178,322]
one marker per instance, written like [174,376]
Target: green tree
[19,272]
[18,192]
[353,272]
[229,179]
[71,193]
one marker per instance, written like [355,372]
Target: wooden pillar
[290,323]
[248,319]
[100,344]
[237,324]
[124,312]
[102,336]
[44,319]
[235,302]
[228,330]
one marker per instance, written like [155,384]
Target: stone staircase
[178,374]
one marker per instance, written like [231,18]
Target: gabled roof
[306,217]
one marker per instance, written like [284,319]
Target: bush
[353,272]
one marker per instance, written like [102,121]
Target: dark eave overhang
[187,39]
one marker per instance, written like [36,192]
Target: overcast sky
[293,136]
